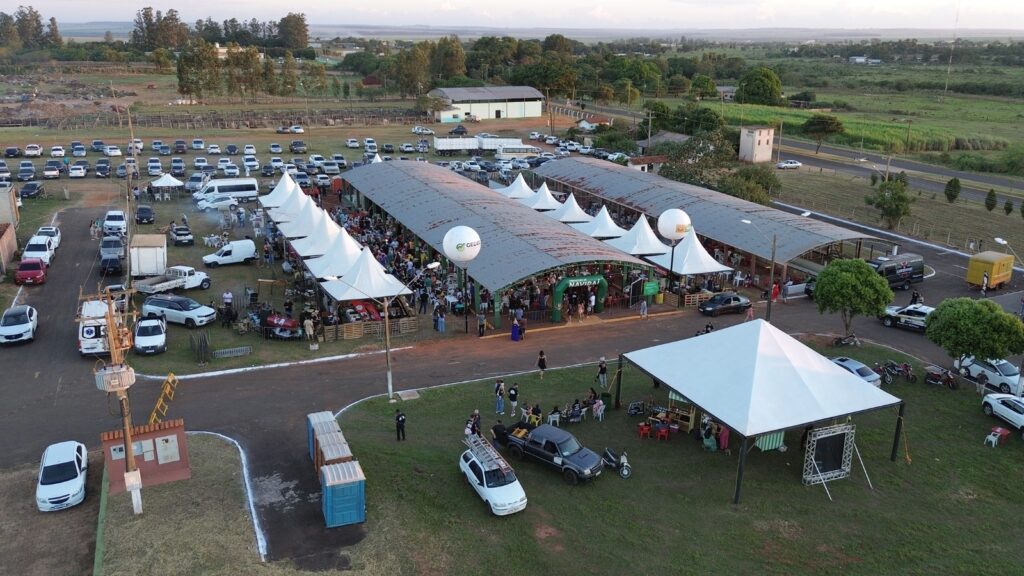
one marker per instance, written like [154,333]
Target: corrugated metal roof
[488,93]
[715,215]
[517,242]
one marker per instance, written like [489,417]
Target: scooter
[617,462]
[940,377]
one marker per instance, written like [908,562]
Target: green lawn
[933,512]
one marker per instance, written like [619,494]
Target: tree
[990,200]
[852,288]
[108,37]
[412,68]
[752,182]
[346,90]
[821,126]
[699,160]
[952,190]
[980,328]
[892,201]
[53,38]
[448,59]
[557,43]
[1008,206]
[693,118]
[759,85]
[162,59]
[314,78]
[198,70]
[30,27]
[269,77]
[702,86]
[335,87]
[289,81]
[293,32]
[9,37]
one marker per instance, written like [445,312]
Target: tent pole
[618,385]
[896,436]
[739,471]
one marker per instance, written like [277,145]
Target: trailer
[454,145]
[148,254]
[184,277]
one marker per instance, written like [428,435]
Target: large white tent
[690,259]
[601,227]
[517,190]
[366,279]
[300,204]
[570,212]
[283,194]
[542,200]
[756,379]
[338,259]
[640,240]
[304,223]
[319,240]
[166,181]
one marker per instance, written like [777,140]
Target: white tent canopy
[338,259]
[570,212]
[282,194]
[304,222]
[299,205]
[366,279]
[602,226]
[166,181]
[376,159]
[757,379]
[517,190]
[640,240]
[319,240]
[691,258]
[542,200]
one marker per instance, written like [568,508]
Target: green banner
[651,288]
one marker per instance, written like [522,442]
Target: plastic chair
[662,433]
[599,413]
[534,420]
[992,439]
[526,414]
[583,413]
[644,430]
[555,419]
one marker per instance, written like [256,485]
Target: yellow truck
[999,267]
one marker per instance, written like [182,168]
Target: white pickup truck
[184,277]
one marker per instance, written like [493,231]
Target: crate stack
[343,485]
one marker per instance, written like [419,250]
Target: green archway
[576,282]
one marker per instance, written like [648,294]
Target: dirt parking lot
[41,544]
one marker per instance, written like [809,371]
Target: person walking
[750,314]
[643,309]
[513,397]
[307,326]
[481,323]
[399,425]
[228,298]
[984,284]
[785,291]
[542,363]
[602,373]
[915,298]
[775,293]
[499,397]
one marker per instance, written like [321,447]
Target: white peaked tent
[570,212]
[298,204]
[304,222]
[366,279]
[517,190]
[319,240]
[376,159]
[640,240]
[542,200]
[601,226]
[166,181]
[757,379]
[338,259]
[282,194]
[691,258]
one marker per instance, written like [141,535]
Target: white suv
[492,478]
[998,374]
[179,310]
[41,247]
[115,223]
[1005,406]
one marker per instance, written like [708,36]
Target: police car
[912,317]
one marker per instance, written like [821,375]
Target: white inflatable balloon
[461,244]
[673,224]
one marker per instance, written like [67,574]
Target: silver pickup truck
[184,277]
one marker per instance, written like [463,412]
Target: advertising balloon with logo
[461,245]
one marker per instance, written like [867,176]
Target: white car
[330,167]
[111,151]
[114,222]
[79,151]
[297,130]
[352,143]
[1005,406]
[222,162]
[56,151]
[586,149]
[277,163]
[493,479]
[18,324]
[367,142]
[199,162]
[998,374]
[62,475]
[198,144]
[218,202]
[534,135]
[150,336]
[251,163]
[213,149]
[912,317]
[859,370]
[316,160]
[275,148]
[154,168]
[291,169]
[322,180]
[39,247]
[137,144]
[788,165]
[562,151]
[33,151]
[249,150]
[76,172]
[422,131]
[406,147]
[551,140]
[179,310]
[230,170]
[340,159]
[53,232]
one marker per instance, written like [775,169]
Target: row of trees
[25,30]
[154,29]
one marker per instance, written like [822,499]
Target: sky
[643,14]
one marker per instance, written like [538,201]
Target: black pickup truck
[556,448]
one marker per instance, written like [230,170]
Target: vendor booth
[759,382]
[164,185]
[364,294]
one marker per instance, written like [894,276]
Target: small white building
[488,102]
[756,144]
[592,122]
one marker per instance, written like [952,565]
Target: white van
[92,328]
[241,189]
[234,252]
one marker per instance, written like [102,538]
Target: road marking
[960,267]
[59,381]
[269,366]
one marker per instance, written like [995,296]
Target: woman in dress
[542,363]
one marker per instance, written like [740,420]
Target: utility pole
[650,125]
[551,118]
[778,152]
[906,149]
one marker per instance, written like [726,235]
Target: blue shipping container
[311,420]
[343,494]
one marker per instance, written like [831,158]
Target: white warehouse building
[488,102]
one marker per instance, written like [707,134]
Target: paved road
[48,393]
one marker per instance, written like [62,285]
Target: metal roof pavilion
[517,242]
[716,215]
[488,93]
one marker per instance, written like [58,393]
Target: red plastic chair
[644,430]
[662,433]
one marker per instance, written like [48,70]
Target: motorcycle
[907,371]
[884,372]
[617,462]
[940,377]
[848,340]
